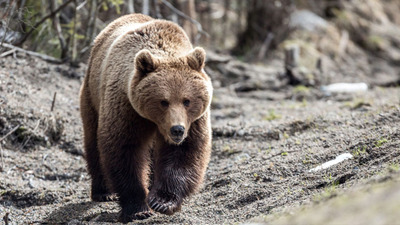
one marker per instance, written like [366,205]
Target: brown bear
[145,107]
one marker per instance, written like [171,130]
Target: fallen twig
[29,137]
[9,133]
[53,102]
[42,56]
[2,160]
[344,40]
[265,46]
[1,147]
[5,218]
[4,54]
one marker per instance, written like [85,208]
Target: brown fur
[144,77]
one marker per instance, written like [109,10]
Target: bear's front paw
[165,203]
[128,217]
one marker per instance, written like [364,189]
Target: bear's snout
[177,133]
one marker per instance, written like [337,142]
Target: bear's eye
[186,102]
[164,103]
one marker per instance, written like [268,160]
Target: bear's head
[172,92]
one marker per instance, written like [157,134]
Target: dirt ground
[265,144]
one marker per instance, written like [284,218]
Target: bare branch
[56,23]
[4,54]
[42,56]
[53,102]
[42,21]
[10,12]
[265,46]
[9,133]
[74,43]
[180,13]
[91,27]
[81,5]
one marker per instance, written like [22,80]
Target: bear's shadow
[73,212]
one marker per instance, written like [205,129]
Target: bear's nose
[177,130]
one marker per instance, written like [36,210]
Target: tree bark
[157,9]
[131,6]
[91,29]
[224,22]
[146,7]
[74,44]
[57,26]
[34,27]
[259,26]
[189,9]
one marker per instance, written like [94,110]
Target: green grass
[272,115]
[359,151]
[394,167]
[380,142]
[327,193]
[301,89]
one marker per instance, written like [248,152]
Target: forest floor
[265,145]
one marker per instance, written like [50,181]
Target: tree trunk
[57,26]
[157,9]
[74,41]
[91,29]
[146,7]
[259,26]
[189,9]
[225,24]
[131,6]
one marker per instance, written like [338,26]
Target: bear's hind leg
[99,192]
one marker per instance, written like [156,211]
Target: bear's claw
[123,218]
[104,197]
[160,205]
[142,215]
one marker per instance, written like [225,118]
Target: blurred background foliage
[249,29]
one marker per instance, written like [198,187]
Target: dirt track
[265,143]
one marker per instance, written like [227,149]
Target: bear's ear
[145,62]
[196,58]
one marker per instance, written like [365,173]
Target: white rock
[338,159]
[307,20]
[345,87]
